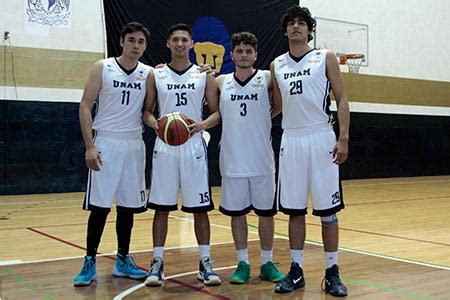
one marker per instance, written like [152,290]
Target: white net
[353,62]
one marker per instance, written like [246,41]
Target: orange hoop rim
[354,56]
[343,58]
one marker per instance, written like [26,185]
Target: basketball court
[394,245]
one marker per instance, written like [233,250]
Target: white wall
[407,38]
[85,33]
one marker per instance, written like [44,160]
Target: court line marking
[378,234]
[110,254]
[275,234]
[141,285]
[9,263]
[282,236]
[354,183]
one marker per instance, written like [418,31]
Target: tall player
[246,155]
[116,156]
[180,86]
[309,153]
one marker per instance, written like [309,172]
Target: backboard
[342,37]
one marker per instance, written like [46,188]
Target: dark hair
[134,27]
[247,38]
[179,26]
[302,13]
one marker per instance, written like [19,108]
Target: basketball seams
[174,134]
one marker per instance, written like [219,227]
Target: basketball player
[116,155]
[180,86]
[309,153]
[246,155]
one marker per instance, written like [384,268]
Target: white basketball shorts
[121,174]
[242,194]
[306,165]
[182,167]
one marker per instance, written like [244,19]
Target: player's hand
[340,152]
[206,68]
[93,159]
[161,65]
[195,127]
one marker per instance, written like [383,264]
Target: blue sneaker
[155,273]
[206,274]
[126,267]
[87,274]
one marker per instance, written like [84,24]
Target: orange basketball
[173,128]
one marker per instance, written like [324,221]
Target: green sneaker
[242,273]
[270,273]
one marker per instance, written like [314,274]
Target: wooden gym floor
[394,238]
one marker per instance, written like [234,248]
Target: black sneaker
[333,284]
[292,281]
[206,273]
[155,273]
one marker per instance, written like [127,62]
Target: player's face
[134,44]
[244,55]
[297,29]
[179,43]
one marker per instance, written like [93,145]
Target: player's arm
[337,86]
[220,80]
[90,93]
[150,101]
[276,94]
[212,98]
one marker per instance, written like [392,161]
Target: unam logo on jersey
[49,12]
[212,44]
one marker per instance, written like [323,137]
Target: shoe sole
[84,283]
[117,273]
[212,282]
[286,291]
[283,291]
[239,281]
[271,280]
[335,294]
[153,281]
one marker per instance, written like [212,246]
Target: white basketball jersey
[246,148]
[304,89]
[120,101]
[181,91]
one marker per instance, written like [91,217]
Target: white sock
[158,252]
[205,251]
[297,256]
[266,256]
[242,255]
[331,258]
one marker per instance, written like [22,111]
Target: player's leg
[236,203]
[163,198]
[101,188]
[262,190]
[197,199]
[159,232]
[327,201]
[293,185]
[130,200]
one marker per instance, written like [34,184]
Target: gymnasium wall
[400,103]
[43,69]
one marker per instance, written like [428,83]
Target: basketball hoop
[353,61]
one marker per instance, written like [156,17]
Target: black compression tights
[124,224]
[96,224]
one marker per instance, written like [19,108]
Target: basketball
[173,128]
